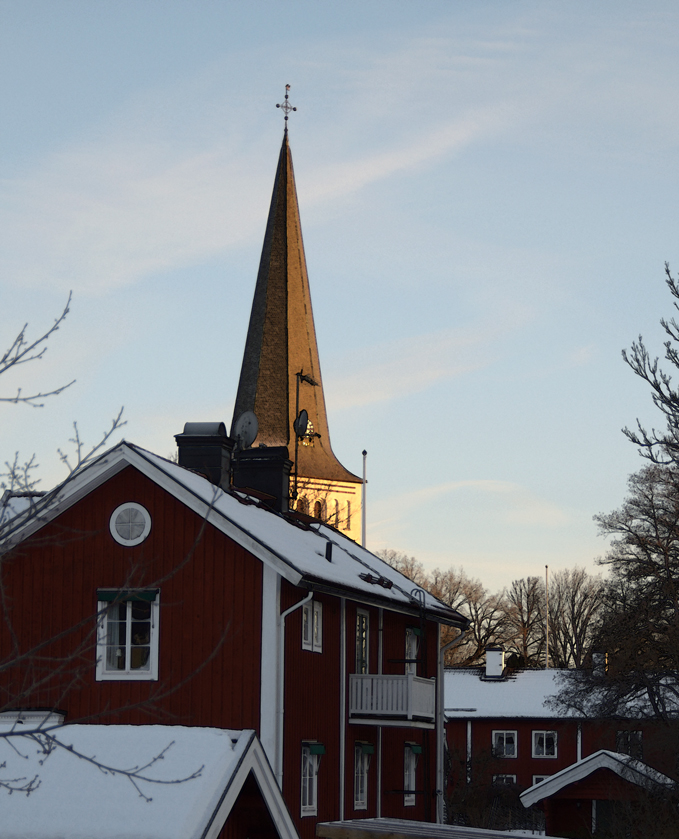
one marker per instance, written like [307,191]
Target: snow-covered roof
[297,552]
[78,799]
[629,769]
[405,829]
[524,693]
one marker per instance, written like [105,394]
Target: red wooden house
[502,729]
[606,793]
[138,591]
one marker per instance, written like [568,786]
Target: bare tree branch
[22,351]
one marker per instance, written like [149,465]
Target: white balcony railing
[392,696]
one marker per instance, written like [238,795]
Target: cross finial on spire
[286,106]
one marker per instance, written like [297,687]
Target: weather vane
[286,106]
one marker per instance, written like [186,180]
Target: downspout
[379,727]
[281,687]
[440,792]
[343,701]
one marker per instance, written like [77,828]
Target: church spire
[281,341]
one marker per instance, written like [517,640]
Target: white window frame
[145,521]
[501,736]
[362,661]
[312,626]
[538,779]
[309,786]
[409,775]
[128,674]
[361,767]
[544,733]
[504,779]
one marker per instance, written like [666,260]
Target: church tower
[281,374]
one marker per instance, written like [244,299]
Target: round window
[130,524]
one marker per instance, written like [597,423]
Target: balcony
[392,697]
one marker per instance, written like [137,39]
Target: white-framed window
[630,743]
[504,744]
[362,640]
[412,647]
[311,758]
[411,753]
[538,779]
[362,753]
[504,779]
[544,744]
[130,524]
[127,635]
[312,626]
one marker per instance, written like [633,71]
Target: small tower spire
[286,107]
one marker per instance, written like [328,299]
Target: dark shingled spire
[281,340]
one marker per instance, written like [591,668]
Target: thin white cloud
[334,181]
[410,365]
[103,216]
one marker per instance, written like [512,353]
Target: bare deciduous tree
[576,601]
[525,626]
[659,446]
[20,475]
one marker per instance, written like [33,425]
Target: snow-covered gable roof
[78,800]
[296,552]
[629,769]
[524,693]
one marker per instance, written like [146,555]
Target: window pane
[116,636]
[317,634]
[361,643]
[130,523]
[550,743]
[306,628]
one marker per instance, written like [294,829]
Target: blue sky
[488,195]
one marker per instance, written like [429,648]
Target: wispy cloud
[410,365]
[104,215]
[335,180]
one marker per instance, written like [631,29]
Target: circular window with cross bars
[130,524]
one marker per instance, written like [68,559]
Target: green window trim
[315,748]
[367,748]
[415,630]
[122,595]
[415,748]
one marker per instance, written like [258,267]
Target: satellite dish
[245,430]
[301,423]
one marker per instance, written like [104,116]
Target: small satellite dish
[301,423]
[245,430]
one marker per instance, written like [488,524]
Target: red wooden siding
[210,589]
[249,817]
